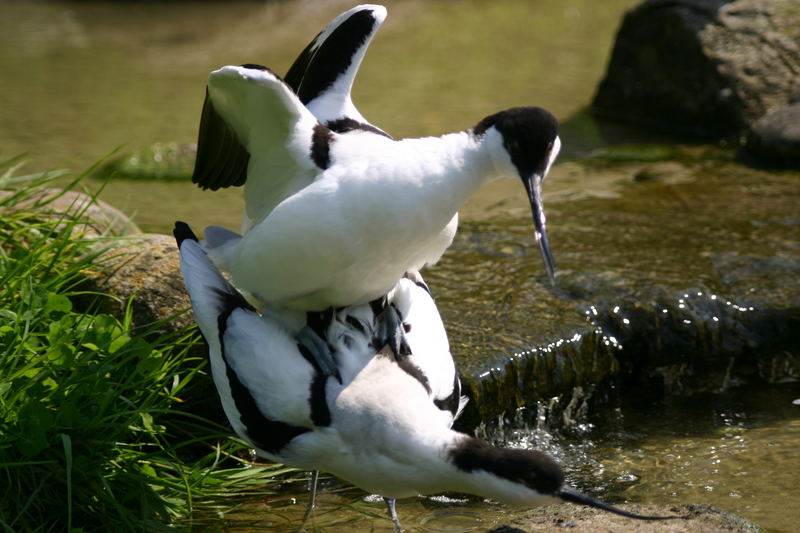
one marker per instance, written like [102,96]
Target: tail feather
[219,244]
[210,293]
[182,232]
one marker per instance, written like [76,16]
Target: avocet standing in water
[333,217]
[383,422]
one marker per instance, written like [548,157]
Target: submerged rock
[162,161]
[708,67]
[699,519]
[674,287]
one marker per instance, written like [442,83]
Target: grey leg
[390,504]
[312,499]
[320,351]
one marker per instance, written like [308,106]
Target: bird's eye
[550,147]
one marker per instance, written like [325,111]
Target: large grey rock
[708,67]
[774,140]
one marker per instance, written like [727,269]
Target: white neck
[453,168]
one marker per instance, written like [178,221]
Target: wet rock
[774,140]
[675,287]
[699,519]
[144,270]
[96,216]
[707,67]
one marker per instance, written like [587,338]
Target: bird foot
[319,351]
[392,332]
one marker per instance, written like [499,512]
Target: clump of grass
[159,161]
[92,434]
[635,153]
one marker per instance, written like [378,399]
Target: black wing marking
[265,433]
[453,401]
[343,125]
[320,64]
[221,158]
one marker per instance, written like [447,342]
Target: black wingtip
[255,66]
[320,64]
[569,494]
[182,231]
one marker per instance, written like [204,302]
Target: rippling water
[736,450]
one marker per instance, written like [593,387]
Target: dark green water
[81,79]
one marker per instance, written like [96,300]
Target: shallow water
[737,451]
[81,79]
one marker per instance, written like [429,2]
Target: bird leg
[313,347]
[390,504]
[312,497]
[391,331]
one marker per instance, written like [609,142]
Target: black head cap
[528,136]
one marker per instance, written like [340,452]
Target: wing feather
[221,159]
[249,112]
[322,76]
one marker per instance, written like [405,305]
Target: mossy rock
[159,161]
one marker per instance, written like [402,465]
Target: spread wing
[323,74]
[248,110]
[322,77]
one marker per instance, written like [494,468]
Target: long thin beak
[533,184]
[569,494]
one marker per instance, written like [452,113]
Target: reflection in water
[736,450]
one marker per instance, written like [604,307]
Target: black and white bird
[383,422]
[335,215]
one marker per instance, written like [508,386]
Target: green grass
[159,161]
[94,433]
